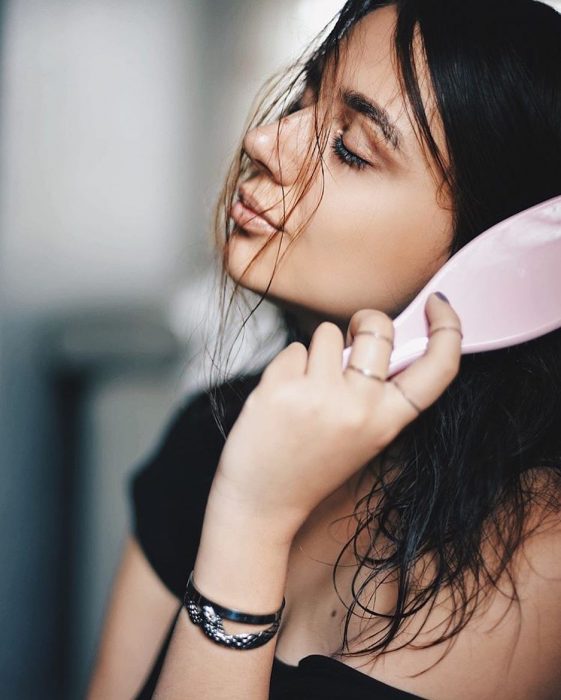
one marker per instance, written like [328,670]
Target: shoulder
[202,409]
[537,563]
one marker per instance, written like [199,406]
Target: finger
[427,378]
[289,363]
[372,335]
[357,319]
[325,351]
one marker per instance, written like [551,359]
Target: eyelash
[345,156]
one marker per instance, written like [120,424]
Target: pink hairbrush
[505,285]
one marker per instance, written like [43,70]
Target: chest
[317,593]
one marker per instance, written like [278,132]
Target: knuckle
[265,376]
[252,400]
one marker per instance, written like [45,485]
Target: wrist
[278,524]
[242,561]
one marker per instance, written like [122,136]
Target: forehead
[368,64]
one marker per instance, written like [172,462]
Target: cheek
[384,237]
[385,217]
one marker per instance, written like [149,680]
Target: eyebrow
[376,114]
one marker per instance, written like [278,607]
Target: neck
[303,323]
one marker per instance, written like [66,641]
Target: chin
[236,264]
[300,311]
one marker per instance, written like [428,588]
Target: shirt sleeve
[168,493]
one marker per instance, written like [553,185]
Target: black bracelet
[208,615]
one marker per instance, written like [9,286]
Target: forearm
[240,564]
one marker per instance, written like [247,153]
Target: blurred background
[117,121]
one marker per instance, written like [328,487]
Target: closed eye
[345,156]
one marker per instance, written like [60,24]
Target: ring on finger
[407,398]
[446,328]
[366,373]
[376,334]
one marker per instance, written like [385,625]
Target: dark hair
[476,463]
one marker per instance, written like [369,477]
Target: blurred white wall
[97,129]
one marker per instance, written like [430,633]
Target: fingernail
[440,295]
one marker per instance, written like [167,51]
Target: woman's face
[379,233]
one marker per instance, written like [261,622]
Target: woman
[412,527]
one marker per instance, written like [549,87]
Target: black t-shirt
[168,497]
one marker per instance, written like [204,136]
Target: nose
[279,148]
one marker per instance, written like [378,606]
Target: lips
[248,214]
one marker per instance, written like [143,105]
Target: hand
[309,426]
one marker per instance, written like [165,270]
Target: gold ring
[446,328]
[366,372]
[376,334]
[412,403]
